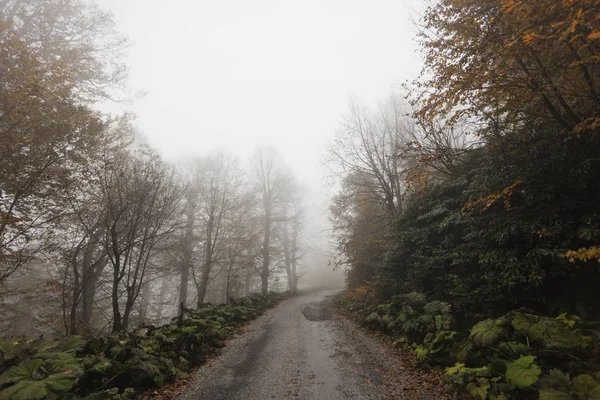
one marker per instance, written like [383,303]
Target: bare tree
[368,145]
[273,182]
[437,148]
[219,185]
[241,237]
[290,231]
[188,243]
[142,198]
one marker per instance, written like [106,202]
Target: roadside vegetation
[468,220]
[120,366]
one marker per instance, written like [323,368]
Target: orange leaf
[594,35]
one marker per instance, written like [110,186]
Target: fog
[236,74]
[177,174]
[191,166]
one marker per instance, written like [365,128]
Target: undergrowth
[119,366]
[519,355]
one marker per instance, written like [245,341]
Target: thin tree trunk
[188,249]
[206,267]
[294,255]
[91,272]
[115,306]
[264,275]
[228,280]
[161,301]
[287,258]
[247,280]
[74,299]
[144,303]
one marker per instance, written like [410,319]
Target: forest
[468,217]
[465,215]
[100,236]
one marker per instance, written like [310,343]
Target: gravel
[301,349]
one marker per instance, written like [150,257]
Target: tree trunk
[144,303]
[247,279]
[127,311]
[208,259]
[161,301]
[264,274]
[228,280]
[188,249]
[294,253]
[287,258]
[91,272]
[74,300]
[117,325]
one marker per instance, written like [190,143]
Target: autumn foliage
[500,230]
[508,62]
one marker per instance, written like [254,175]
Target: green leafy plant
[486,332]
[557,385]
[38,379]
[523,372]
[113,367]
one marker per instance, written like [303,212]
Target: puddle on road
[317,311]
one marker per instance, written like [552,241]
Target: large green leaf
[29,382]
[10,348]
[586,387]
[23,371]
[515,349]
[529,325]
[68,345]
[436,308]
[555,333]
[523,372]
[456,369]
[485,333]
[28,390]
[554,394]
[480,389]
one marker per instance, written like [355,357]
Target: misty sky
[225,73]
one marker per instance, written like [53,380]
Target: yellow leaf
[594,35]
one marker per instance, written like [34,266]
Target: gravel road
[301,350]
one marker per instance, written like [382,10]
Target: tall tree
[188,243]
[79,34]
[507,63]
[272,180]
[219,188]
[369,145]
[45,135]
[291,230]
[142,198]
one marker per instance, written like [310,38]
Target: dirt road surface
[302,350]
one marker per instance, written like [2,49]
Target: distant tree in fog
[369,145]
[273,182]
[143,198]
[291,229]
[219,179]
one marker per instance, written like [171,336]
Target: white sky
[237,73]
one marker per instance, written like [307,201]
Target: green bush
[116,366]
[517,355]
